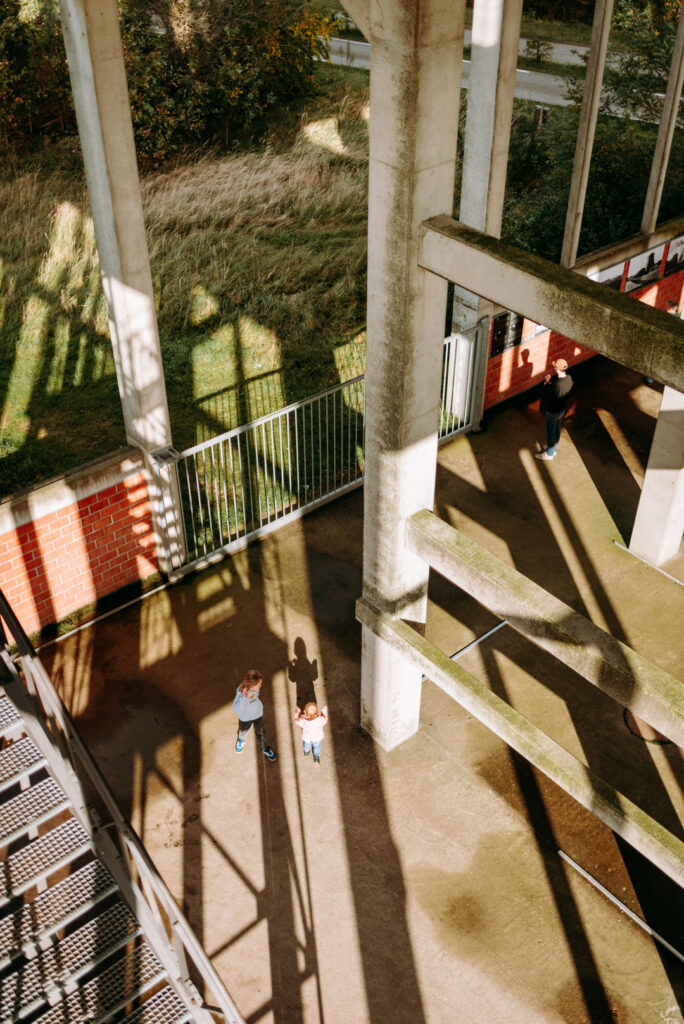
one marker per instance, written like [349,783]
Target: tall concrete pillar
[659,522]
[98,80]
[494,57]
[415,92]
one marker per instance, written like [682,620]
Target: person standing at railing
[250,711]
[557,388]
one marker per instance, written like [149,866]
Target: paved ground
[423,885]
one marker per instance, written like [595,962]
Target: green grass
[258,262]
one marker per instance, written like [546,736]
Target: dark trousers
[258,723]
[553,430]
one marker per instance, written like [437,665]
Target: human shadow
[303,673]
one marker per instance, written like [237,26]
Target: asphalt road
[548,90]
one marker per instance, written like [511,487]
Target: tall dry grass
[258,261]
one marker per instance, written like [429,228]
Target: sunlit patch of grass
[258,261]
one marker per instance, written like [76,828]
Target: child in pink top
[312,722]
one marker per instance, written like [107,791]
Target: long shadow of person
[303,673]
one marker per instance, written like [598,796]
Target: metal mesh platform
[40,857]
[164,1008]
[9,717]
[30,808]
[43,979]
[99,999]
[18,761]
[34,922]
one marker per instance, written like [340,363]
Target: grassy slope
[258,261]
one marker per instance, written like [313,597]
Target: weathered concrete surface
[640,337]
[424,884]
[98,80]
[414,94]
[659,521]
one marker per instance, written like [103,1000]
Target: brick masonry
[75,540]
[518,369]
[85,535]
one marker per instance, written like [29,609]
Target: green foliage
[35,95]
[538,50]
[540,169]
[636,75]
[198,70]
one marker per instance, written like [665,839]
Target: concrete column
[598,48]
[415,92]
[494,56]
[668,123]
[98,80]
[659,522]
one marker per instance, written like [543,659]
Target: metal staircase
[88,930]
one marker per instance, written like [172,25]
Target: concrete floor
[423,885]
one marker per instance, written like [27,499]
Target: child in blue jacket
[250,711]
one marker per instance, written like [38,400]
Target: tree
[636,74]
[198,70]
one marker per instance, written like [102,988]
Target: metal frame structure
[51,728]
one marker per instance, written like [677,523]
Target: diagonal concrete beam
[610,806]
[632,333]
[624,675]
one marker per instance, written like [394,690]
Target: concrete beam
[659,522]
[632,333]
[618,252]
[625,818]
[359,12]
[666,130]
[624,675]
[598,48]
[415,93]
[98,80]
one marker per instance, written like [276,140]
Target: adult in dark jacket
[555,394]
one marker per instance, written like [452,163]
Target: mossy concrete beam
[639,829]
[359,12]
[619,671]
[632,333]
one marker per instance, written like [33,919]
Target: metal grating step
[32,807]
[10,722]
[45,978]
[33,924]
[18,761]
[41,857]
[163,1008]
[101,997]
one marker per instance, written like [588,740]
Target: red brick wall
[67,558]
[518,369]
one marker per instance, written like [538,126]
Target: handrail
[115,850]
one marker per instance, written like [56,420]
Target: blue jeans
[316,747]
[553,430]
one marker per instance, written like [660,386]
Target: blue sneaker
[239,744]
[270,754]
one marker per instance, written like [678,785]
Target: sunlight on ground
[325,134]
[26,371]
[564,542]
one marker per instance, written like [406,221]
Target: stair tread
[127,979]
[41,856]
[44,978]
[18,760]
[33,923]
[32,807]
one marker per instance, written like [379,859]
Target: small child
[250,711]
[312,722]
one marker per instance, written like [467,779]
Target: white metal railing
[218,494]
[70,762]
